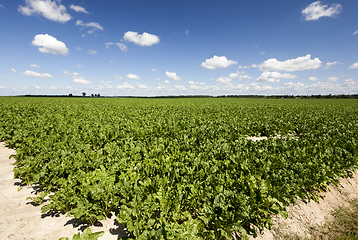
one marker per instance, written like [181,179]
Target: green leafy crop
[180,168]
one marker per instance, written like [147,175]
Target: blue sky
[151,48]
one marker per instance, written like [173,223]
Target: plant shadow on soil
[119,230]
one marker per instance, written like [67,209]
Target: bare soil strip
[19,219]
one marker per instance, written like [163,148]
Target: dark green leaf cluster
[180,168]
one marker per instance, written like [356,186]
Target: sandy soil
[304,215]
[19,219]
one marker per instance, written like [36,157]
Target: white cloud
[224,80]
[78,8]
[49,44]
[195,85]
[36,65]
[166,81]
[240,67]
[13,70]
[78,48]
[316,10]
[143,86]
[120,45]
[133,76]
[330,64]
[244,77]
[239,75]
[106,83]
[3,77]
[217,62]
[290,65]
[116,76]
[145,39]
[3,87]
[158,79]
[274,77]
[37,87]
[76,78]
[172,76]
[332,79]
[313,79]
[70,74]
[2,6]
[262,53]
[35,74]
[355,32]
[80,80]
[154,70]
[52,10]
[354,66]
[93,25]
[235,75]
[91,52]
[187,32]
[180,87]
[125,86]
[80,66]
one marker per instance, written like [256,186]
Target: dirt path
[303,215]
[19,219]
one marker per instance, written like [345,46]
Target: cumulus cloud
[116,76]
[313,79]
[145,39]
[355,32]
[13,70]
[195,85]
[91,52]
[125,86]
[172,76]
[316,10]
[154,70]
[52,10]
[133,76]
[332,79]
[330,64]
[239,75]
[120,46]
[76,78]
[166,81]
[217,62]
[274,77]
[81,80]
[49,44]
[224,80]
[78,8]
[290,65]
[36,65]
[354,66]
[35,74]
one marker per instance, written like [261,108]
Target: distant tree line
[352,96]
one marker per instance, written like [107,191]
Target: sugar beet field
[180,168]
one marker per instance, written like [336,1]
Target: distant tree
[98,95]
[83,94]
[92,95]
[70,95]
